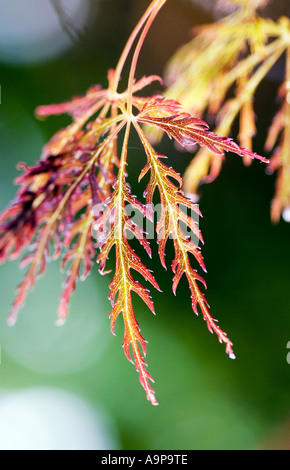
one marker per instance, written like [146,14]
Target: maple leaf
[172,198]
[123,282]
[75,203]
[217,74]
[188,130]
[278,143]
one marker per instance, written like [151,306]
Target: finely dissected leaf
[75,203]
[79,256]
[217,74]
[169,224]
[278,140]
[188,130]
[123,282]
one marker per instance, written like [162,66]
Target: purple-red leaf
[187,130]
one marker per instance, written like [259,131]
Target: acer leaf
[76,203]
[188,130]
[168,224]
[123,282]
[217,75]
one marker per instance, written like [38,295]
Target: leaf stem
[158,5]
[129,44]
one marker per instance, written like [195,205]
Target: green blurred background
[72,387]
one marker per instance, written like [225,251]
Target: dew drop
[286,214]
[60,322]
[193,197]
[10,321]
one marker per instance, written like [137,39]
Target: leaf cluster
[217,74]
[74,203]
